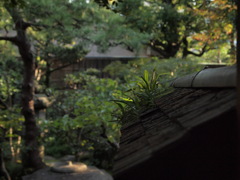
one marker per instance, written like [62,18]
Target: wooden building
[190,135]
[98,60]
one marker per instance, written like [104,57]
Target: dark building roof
[175,119]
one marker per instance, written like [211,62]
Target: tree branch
[201,52]
[17,19]
[186,52]
[13,40]
[63,66]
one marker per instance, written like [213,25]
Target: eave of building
[176,116]
[209,78]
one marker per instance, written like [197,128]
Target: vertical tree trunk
[185,47]
[31,156]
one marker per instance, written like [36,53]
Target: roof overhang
[209,77]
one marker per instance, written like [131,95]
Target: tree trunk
[31,156]
[185,47]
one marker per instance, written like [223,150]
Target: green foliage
[203,24]
[64,31]
[141,96]
[10,112]
[15,170]
[219,55]
[83,118]
[11,118]
[80,79]
[169,68]
[145,80]
[117,70]
[56,145]
[86,118]
[10,81]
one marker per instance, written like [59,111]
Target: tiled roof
[175,115]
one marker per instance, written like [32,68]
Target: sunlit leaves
[84,117]
[9,72]
[11,118]
[169,22]
[218,15]
[228,28]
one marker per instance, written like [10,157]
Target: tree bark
[31,154]
[31,158]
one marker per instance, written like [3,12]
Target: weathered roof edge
[146,153]
[209,77]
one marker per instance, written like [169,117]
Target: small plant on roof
[142,96]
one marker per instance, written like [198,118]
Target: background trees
[65,28]
[46,32]
[32,158]
[188,27]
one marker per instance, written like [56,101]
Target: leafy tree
[10,117]
[51,57]
[180,25]
[84,119]
[10,81]
[161,19]
[56,50]
[58,23]
[32,158]
[219,16]
[55,37]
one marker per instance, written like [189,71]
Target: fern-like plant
[142,96]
